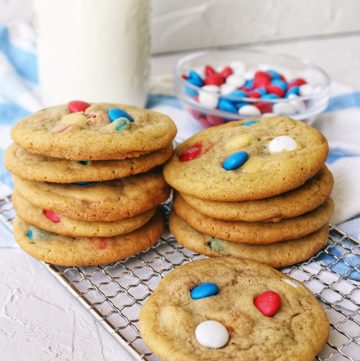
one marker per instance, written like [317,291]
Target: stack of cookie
[88,181]
[253,189]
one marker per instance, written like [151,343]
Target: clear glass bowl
[291,67]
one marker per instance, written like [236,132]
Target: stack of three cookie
[88,181]
[253,189]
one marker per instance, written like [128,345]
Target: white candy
[235,79]
[284,108]
[249,74]
[226,89]
[208,99]
[238,67]
[211,88]
[290,282]
[306,89]
[282,143]
[220,68]
[211,334]
[249,110]
[268,115]
[297,103]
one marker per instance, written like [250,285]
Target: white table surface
[40,320]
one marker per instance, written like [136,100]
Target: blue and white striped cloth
[19,96]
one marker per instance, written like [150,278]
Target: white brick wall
[190,24]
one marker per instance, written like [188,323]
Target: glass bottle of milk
[97,51]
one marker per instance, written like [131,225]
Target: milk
[93,50]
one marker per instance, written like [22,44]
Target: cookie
[230,309]
[243,160]
[94,132]
[41,168]
[255,232]
[104,201]
[53,222]
[86,251]
[277,255]
[287,205]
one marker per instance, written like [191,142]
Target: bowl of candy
[222,85]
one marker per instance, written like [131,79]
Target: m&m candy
[251,92]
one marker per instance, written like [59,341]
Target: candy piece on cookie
[51,215]
[204,290]
[250,123]
[191,153]
[235,160]
[77,106]
[116,113]
[282,143]
[211,334]
[117,125]
[268,303]
[36,234]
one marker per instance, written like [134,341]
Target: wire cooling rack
[115,293]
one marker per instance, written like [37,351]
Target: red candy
[297,82]
[191,153]
[209,70]
[51,215]
[262,75]
[268,303]
[264,107]
[273,89]
[77,106]
[261,79]
[227,71]
[214,79]
[254,94]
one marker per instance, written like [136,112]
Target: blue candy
[204,290]
[270,96]
[235,160]
[227,106]
[30,233]
[274,74]
[249,83]
[279,83]
[237,94]
[250,122]
[36,234]
[195,79]
[261,91]
[124,123]
[294,90]
[116,113]
[82,183]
